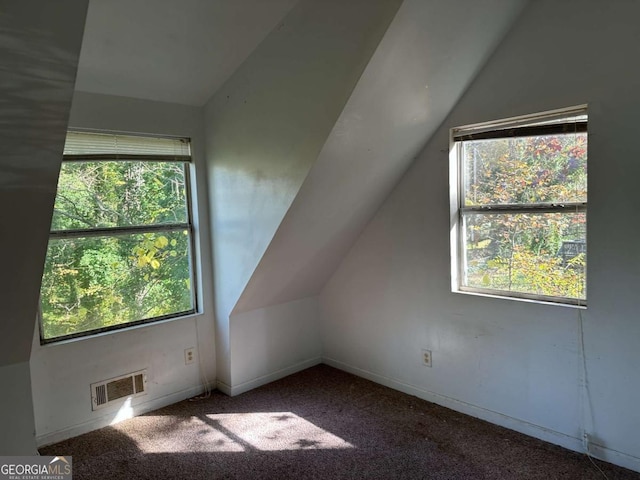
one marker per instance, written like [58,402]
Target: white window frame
[110,155]
[573,117]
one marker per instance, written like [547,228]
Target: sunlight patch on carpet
[235,432]
[274,431]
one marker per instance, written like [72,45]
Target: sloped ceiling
[183,52]
[169,50]
[38,61]
[266,126]
[430,54]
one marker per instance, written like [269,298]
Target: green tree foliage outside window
[120,247]
[523,215]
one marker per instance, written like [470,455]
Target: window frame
[188,225]
[560,121]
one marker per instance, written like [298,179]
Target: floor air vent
[108,391]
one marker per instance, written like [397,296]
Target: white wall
[61,373]
[38,62]
[273,342]
[513,363]
[266,126]
[18,425]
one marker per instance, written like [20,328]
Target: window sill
[122,330]
[581,306]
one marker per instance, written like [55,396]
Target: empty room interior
[207,197]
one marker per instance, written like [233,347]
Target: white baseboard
[613,456]
[558,438]
[233,390]
[108,419]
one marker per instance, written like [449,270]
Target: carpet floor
[321,423]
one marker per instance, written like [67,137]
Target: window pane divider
[526,208]
[97,232]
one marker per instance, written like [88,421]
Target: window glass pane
[119,193]
[95,282]
[529,170]
[540,254]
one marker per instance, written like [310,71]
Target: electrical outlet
[189,355]
[426,358]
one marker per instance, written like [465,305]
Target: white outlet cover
[427,358]
[189,355]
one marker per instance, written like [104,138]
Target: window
[519,207]
[120,247]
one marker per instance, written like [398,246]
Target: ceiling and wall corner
[419,70]
[38,59]
[416,75]
[170,51]
[265,128]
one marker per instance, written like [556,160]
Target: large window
[519,207]
[120,247]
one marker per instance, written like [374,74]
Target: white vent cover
[125,386]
